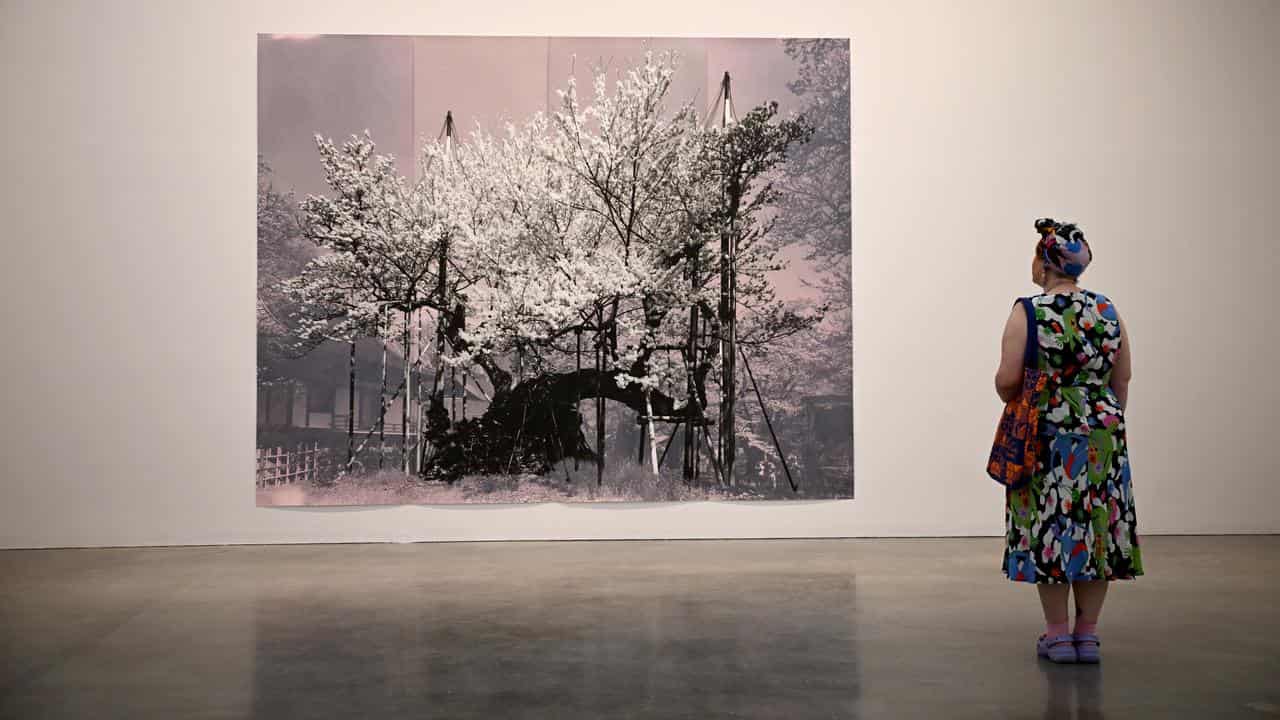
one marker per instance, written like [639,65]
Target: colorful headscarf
[1063,247]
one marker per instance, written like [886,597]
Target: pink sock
[1056,629]
[1086,628]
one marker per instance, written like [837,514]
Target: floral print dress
[1075,519]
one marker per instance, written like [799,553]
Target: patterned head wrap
[1063,247]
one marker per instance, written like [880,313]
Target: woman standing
[1073,525]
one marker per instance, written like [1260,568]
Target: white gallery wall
[127,211]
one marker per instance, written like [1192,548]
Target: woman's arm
[1122,372]
[1012,349]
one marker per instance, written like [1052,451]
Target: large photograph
[509,270]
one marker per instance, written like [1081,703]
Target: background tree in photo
[810,211]
[817,206]
[743,159]
[382,241]
[282,253]
[817,203]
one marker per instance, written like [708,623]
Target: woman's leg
[1089,598]
[1056,643]
[1053,600]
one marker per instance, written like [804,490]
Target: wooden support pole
[653,441]
[382,394]
[351,404]
[408,393]
[670,441]
[419,442]
[706,436]
[577,389]
[690,354]
[599,407]
[764,410]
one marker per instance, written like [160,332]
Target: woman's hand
[1012,352]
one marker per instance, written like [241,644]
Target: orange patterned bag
[1014,452]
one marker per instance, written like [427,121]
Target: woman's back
[1079,339]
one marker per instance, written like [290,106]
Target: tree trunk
[455,324]
[535,424]
[728,316]
[641,423]
[690,455]
[727,311]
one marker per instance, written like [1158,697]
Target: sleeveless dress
[1075,519]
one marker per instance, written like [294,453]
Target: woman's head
[1062,253]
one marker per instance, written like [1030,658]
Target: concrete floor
[758,629]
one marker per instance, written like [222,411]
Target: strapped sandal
[1087,648]
[1060,649]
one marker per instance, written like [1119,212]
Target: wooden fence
[283,466]
[390,429]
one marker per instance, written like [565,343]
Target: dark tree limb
[535,424]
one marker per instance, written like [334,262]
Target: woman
[1073,524]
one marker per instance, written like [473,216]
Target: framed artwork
[517,269]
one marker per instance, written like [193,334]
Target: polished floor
[783,630]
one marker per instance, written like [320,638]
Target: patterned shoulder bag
[1013,454]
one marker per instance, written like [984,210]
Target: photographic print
[518,269]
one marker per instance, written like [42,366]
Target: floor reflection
[779,629]
[1073,691]
[553,642]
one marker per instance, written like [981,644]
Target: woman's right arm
[1122,372]
[1013,345]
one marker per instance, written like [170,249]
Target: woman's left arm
[1122,370]
[1012,349]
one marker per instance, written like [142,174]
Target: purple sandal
[1060,649]
[1087,648]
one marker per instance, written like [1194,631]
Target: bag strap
[1030,356]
